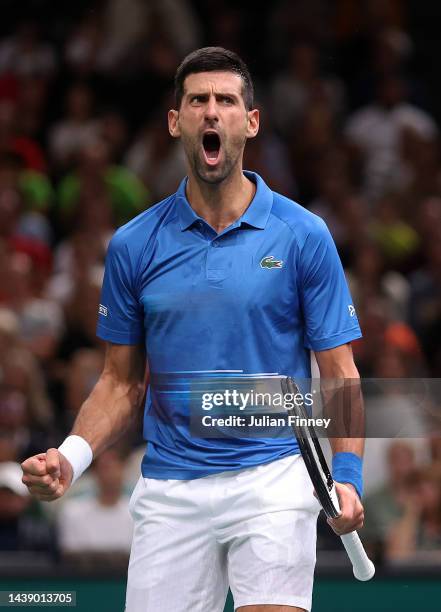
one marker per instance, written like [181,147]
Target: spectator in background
[123,22]
[385,504]
[95,170]
[152,69]
[157,159]
[375,132]
[21,286]
[418,529]
[268,155]
[77,129]
[78,261]
[40,319]
[24,54]
[315,136]
[339,204]
[179,20]
[395,238]
[389,49]
[425,303]
[106,533]
[24,233]
[35,189]
[26,413]
[12,140]
[389,348]
[31,102]
[114,132]
[300,85]
[83,44]
[227,27]
[429,219]
[420,159]
[296,19]
[370,278]
[41,327]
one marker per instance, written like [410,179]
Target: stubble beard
[212,176]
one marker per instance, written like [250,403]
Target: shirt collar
[186,214]
[256,215]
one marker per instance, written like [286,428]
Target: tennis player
[224,274]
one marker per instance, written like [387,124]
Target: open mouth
[211,144]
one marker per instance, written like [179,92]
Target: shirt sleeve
[329,314]
[120,317]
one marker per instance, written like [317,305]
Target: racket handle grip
[362,566]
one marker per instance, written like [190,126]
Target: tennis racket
[323,483]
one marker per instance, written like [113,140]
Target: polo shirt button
[215,244]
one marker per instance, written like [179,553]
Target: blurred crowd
[347,130]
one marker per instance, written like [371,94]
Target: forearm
[108,412]
[343,405]
[347,445]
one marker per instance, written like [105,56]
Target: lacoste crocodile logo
[269,262]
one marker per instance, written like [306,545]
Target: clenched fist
[47,475]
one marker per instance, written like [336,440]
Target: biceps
[337,362]
[126,364]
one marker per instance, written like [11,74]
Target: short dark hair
[211,59]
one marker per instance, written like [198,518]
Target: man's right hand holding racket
[352,512]
[47,475]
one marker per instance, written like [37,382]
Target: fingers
[46,481]
[352,513]
[53,462]
[35,465]
[47,496]
[341,525]
[41,474]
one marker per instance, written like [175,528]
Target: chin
[212,176]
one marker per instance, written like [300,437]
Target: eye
[227,100]
[196,100]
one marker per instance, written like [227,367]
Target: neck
[220,204]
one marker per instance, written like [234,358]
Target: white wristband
[79,454]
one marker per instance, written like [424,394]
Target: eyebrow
[217,94]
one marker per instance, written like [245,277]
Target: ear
[173,123]
[253,123]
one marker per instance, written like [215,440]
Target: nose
[211,113]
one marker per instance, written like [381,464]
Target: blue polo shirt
[255,298]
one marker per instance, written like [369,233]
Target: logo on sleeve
[270,262]
[351,310]
[102,310]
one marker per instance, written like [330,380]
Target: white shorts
[253,530]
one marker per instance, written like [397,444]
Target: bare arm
[334,364]
[116,398]
[338,364]
[106,414]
